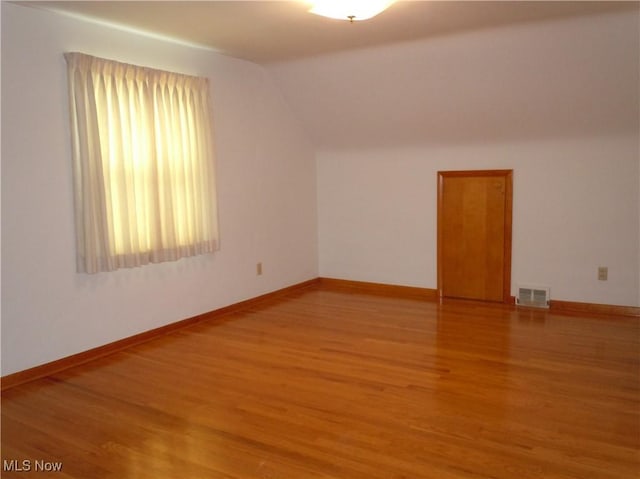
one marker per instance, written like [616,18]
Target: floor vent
[533,296]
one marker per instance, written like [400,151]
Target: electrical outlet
[259,269]
[603,273]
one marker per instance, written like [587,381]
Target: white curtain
[143,162]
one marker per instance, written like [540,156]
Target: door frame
[508,212]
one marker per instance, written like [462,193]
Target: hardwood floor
[331,384]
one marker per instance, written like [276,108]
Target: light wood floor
[326,384]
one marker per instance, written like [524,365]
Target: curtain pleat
[143,162]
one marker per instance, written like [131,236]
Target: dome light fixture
[349,9]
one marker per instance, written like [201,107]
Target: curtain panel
[143,164]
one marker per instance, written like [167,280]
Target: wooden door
[474,234]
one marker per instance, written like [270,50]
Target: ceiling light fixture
[349,9]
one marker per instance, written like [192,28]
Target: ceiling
[276,31]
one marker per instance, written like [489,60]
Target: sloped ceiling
[563,79]
[273,31]
[437,72]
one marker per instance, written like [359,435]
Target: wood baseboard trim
[37,372]
[411,292]
[379,289]
[221,314]
[568,307]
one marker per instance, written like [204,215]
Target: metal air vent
[533,296]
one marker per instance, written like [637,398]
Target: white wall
[575,208]
[555,101]
[266,184]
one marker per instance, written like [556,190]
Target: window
[143,162]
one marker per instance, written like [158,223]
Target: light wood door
[474,234]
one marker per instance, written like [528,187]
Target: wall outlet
[603,273]
[259,269]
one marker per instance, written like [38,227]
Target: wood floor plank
[328,384]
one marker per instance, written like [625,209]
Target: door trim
[508,212]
